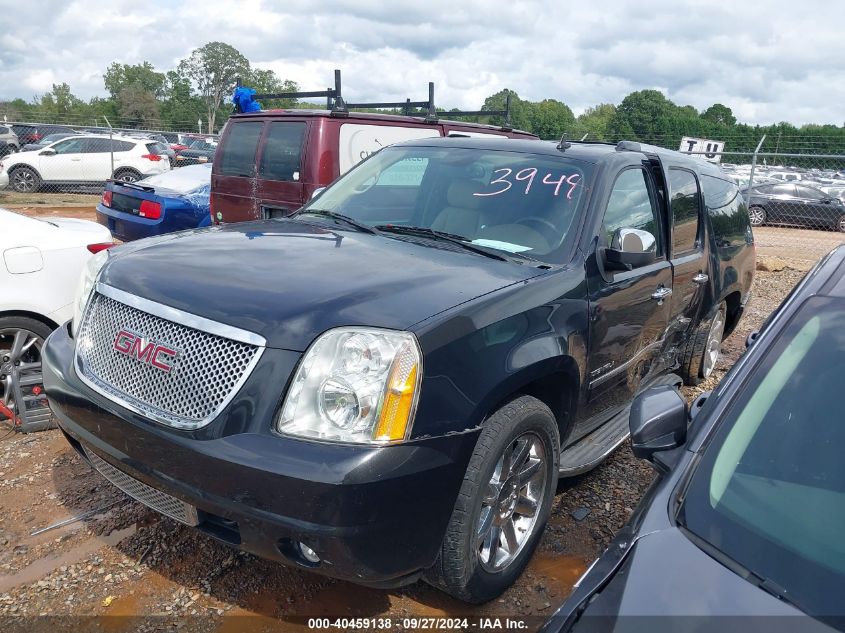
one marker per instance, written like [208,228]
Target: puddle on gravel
[559,573]
[42,567]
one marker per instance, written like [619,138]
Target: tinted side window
[4,130]
[784,190]
[685,204]
[122,146]
[98,145]
[727,211]
[71,146]
[808,192]
[630,206]
[280,157]
[239,151]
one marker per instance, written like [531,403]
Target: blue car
[172,201]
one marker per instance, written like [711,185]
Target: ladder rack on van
[339,107]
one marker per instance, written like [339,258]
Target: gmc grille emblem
[148,352]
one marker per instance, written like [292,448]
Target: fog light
[308,554]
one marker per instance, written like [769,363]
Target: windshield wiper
[364,228]
[443,236]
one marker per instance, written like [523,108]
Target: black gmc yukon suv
[388,384]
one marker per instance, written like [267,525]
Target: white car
[41,263]
[84,160]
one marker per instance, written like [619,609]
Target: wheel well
[558,391]
[732,303]
[121,170]
[30,315]
[14,168]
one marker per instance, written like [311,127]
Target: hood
[665,574]
[289,281]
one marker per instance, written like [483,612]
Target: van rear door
[233,184]
[281,182]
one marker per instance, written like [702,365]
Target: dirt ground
[146,572]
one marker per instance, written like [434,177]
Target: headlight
[86,286]
[355,385]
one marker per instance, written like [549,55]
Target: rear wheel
[503,505]
[841,224]
[757,216]
[25,180]
[703,349]
[127,175]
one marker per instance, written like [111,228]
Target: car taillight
[150,210]
[107,198]
[36,137]
[96,248]
[153,157]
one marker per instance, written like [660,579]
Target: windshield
[770,489]
[510,201]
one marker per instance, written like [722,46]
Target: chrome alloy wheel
[20,362]
[757,216]
[23,181]
[714,344]
[511,502]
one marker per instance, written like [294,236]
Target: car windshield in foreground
[522,204]
[770,489]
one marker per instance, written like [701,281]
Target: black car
[795,204]
[35,132]
[389,383]
[199,151]
[748,515]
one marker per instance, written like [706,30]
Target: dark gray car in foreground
[745,527]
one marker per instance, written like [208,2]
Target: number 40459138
[528,176]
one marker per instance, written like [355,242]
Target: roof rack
[339,107]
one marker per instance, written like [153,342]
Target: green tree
[138,107]
[180,109]
[61,102]
[143,76]
[213,69]
[720,114]
[551,118]
[520,110]
[266,81]
[594,122]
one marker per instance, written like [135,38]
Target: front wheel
[25,180]
[503,504]
[757,216]
[841,224]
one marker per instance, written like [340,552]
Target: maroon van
[269,163]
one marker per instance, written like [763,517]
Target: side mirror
[658,421]
[317,192]
[47,152]
[630,248]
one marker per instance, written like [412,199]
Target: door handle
[661,293]
[701,278]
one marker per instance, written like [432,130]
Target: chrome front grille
[149,496]
[205,373]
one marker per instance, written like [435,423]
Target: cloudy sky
[769,61]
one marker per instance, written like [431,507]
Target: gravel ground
[125,560]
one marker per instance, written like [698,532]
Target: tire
[703,348]
[475,563]
[757,216]
[17,363]
[841,224]
[24,180]
[127,175]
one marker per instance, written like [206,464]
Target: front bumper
[374,515]
[4,180]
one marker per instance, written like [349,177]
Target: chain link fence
[795,199]
[38,160]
